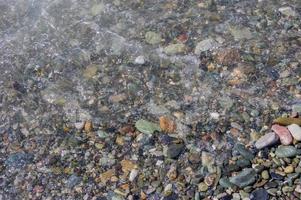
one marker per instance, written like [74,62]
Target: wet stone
[147,127]
[242,150]
[244,178]
[174,150]
[267,140]
[295,130]
[224,182]
[73,180]
[283,133]
[259,194]
[286,151]
[18,160]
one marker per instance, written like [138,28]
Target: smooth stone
[224,182]
[286,151]
[289,169]
[272,191]
[73,180]
[133,175]
[243,163]
[140,60]
[147,127]
[287,11]
[267,140]
[283,133]
[259,194]
[174,150]
[244,151]
[235,196]
[202,187]
[174,49]
[265,174]
[153,37]
[205,45]
[244,178]
[295,130]
[276,176]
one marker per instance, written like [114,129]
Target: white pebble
[140,60]
[133,175]
[295,130]
[214,115]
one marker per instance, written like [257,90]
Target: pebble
[79,125]
[298,188]
[289,169]
[244,178]
[286,151]
[265,174]
[152,37]
[18,160]
[174,150]
[266,140]
[205,45]
[73,180]
[174,49]
[287,11]
[202,187]
[244,151]
[167,190]
[259,194]
[147,127]
[133,175]
[283,133]
[295,130]
[224,182]
[140,60]
[235,196]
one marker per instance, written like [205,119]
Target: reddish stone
[283,133]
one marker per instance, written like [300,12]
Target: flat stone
[153,37]
[244,178]
[267,140]
[205,45]
[295,130]
[259,194]
[174,49]
[286,151]
[283,133]
[147,127]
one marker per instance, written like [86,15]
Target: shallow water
[204,63]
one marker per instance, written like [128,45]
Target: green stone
[242,150]
[244,178]
[224,182]
[152,37]
[286,151]
[174,49]
[147,127]
[265,175]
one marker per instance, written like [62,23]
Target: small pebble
[265,174]
[289,169]
[202,187]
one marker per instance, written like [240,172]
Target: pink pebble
[283,133]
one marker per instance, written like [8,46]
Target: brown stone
[88,127]
[227,56]
[167,125]
[127,165]
[106,176]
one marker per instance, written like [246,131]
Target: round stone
[202,187]
[265,174]
[289,169]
